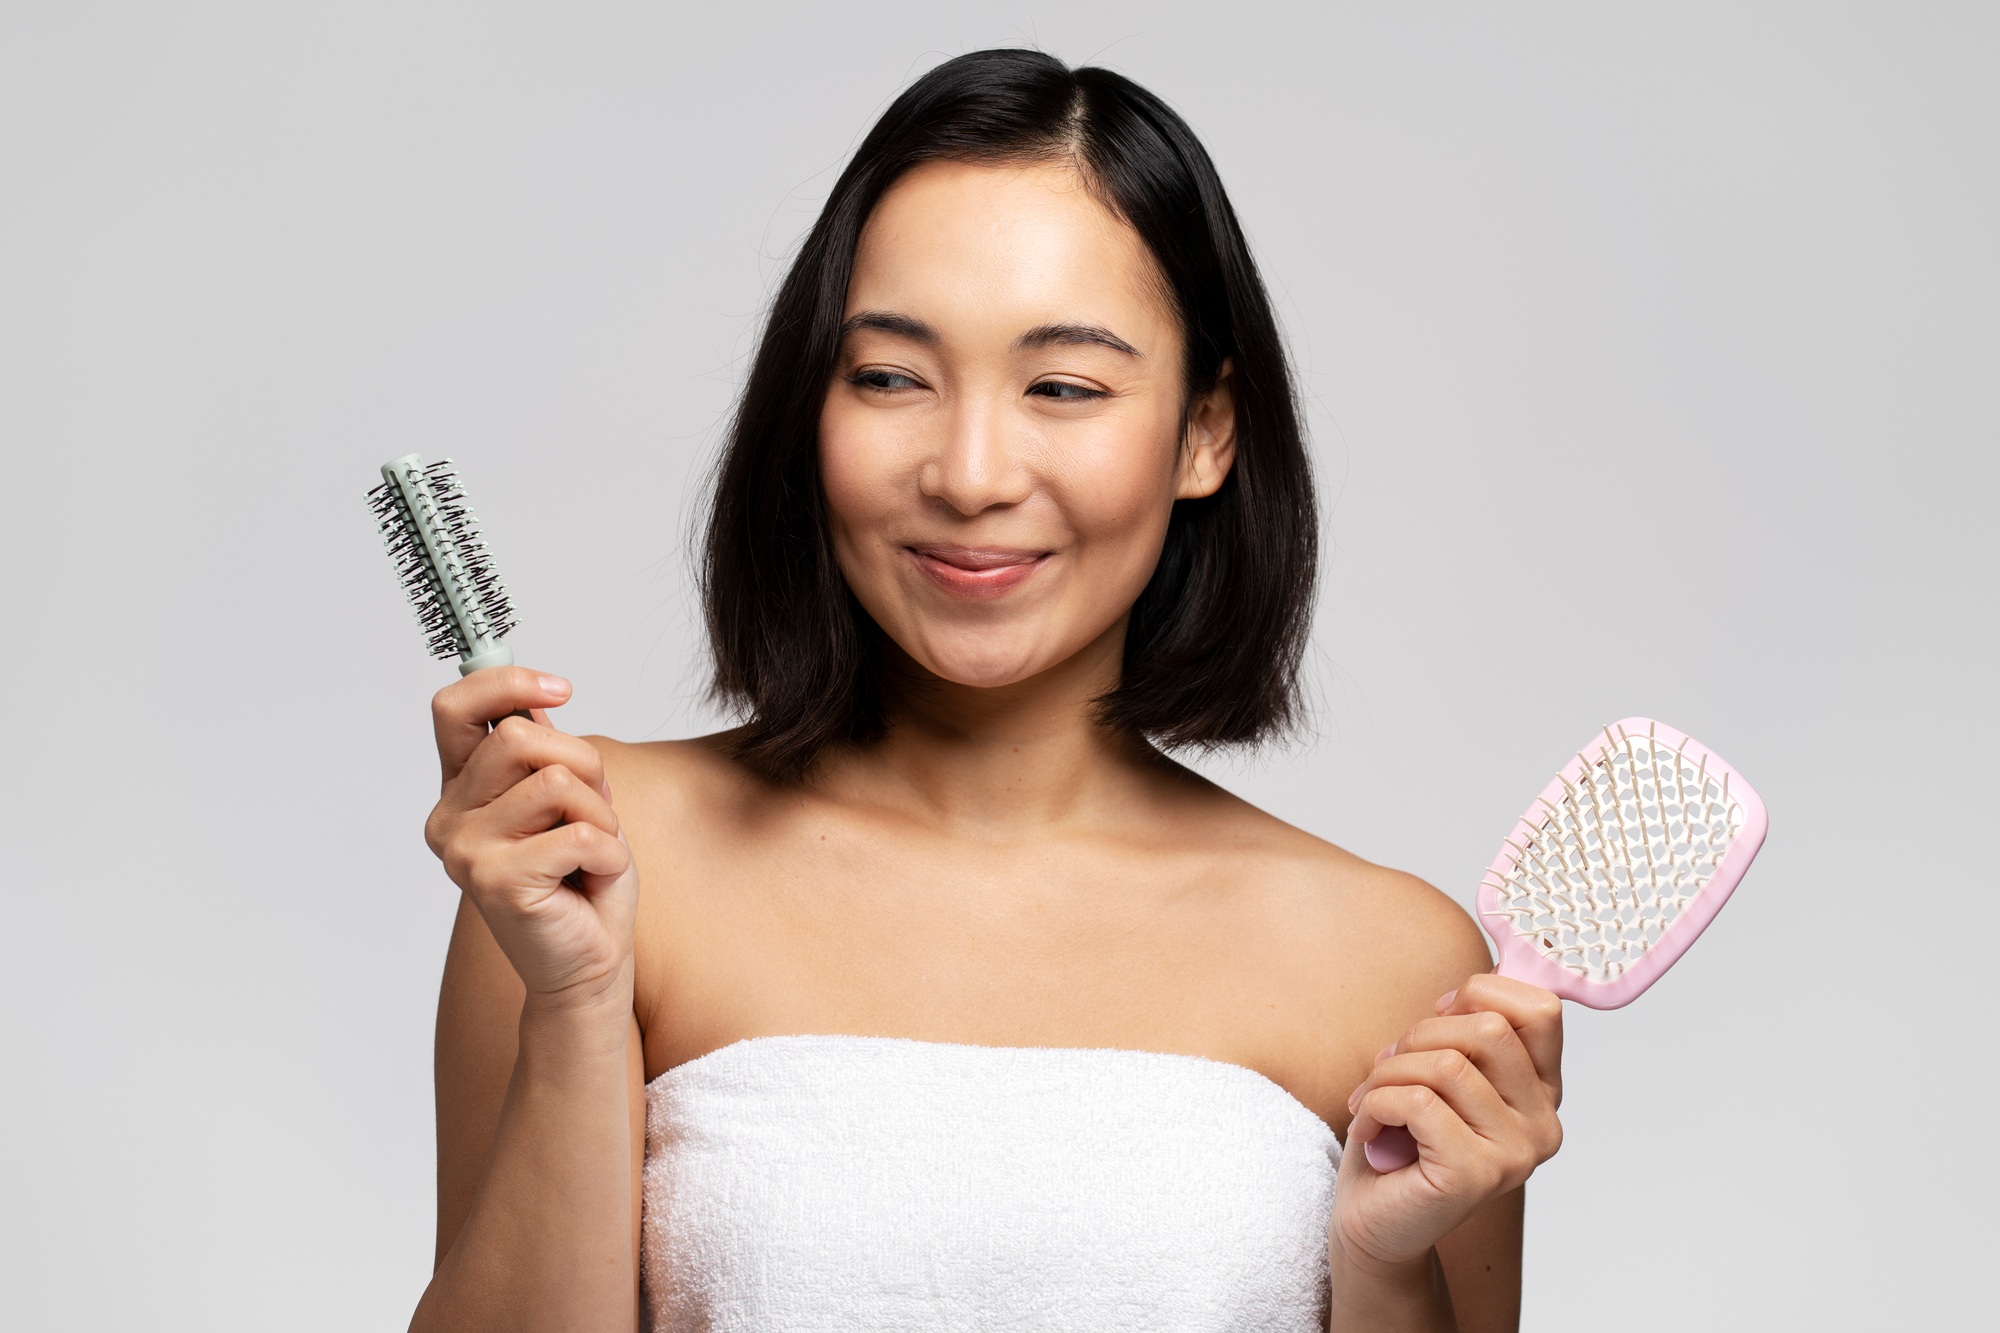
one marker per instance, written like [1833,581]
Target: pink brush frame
[1521,960]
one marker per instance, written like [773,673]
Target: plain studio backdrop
[1650,361]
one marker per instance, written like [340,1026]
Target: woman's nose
[976,465]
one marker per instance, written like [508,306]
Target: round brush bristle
[440,558]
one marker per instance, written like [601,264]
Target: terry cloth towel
[882,1183]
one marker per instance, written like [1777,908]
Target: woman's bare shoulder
[1349,953]
[674,781]
[1384,939]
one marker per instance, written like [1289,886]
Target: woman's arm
[1482,1264]
[540,1082]
[540,1139]
[1470,1283]
[1409,1297]
[1477,1087]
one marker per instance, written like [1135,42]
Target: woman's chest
[1064,943]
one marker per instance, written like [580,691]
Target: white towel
[881,1184]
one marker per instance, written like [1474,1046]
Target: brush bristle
[1598,876]
[467,563]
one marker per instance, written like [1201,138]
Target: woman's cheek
[856,472]
[843,461]
[1119,504]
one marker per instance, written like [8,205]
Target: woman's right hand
[522,807]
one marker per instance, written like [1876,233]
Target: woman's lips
[977,571]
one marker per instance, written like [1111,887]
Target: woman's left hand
[1477,1087]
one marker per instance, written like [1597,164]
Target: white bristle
[1598,877]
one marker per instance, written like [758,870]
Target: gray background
[1650,361]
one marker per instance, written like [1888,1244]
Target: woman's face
[1000,444]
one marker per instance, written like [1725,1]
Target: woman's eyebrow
[888,321]
[1058,335]
[1045,335]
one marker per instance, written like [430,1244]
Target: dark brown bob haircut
[1214,644]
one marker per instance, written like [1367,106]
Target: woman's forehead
[978,250]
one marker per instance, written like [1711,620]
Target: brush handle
[499,654]
[486,655]
[1391,1150]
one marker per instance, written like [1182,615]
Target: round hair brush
[444,566]
[442,562]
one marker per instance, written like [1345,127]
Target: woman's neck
[1002,761]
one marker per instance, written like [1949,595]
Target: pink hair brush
[1613,872]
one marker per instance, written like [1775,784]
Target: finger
[538,864]
[546,798]
[1535,1015]
[517,749]
[1453,1078]
[462,710]
[1438,1130]
[1490,1042]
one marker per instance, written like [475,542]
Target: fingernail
[606,788]
[1353,1100]
[552,684]
[1385,1052]
[1444,1002]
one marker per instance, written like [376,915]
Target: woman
[936,995]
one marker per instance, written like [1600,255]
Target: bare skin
[1000,870]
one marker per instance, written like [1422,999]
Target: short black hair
[1214,644]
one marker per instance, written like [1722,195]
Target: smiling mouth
[977,571]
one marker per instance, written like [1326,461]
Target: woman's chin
[985,666]
[983,675]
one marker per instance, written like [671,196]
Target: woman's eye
[1065,392]
[881,379]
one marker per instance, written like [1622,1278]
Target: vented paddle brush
[1613,872]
